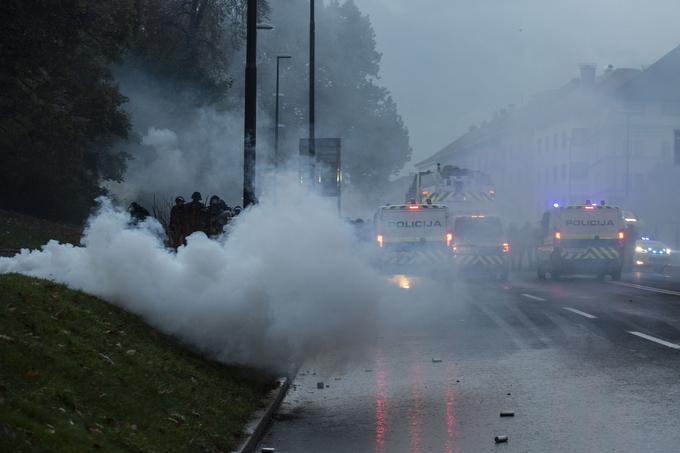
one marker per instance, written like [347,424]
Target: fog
[451,64]
[285,285]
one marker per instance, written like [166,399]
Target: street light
[312,39]
[250,109]
[276,111]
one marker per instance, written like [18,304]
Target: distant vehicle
[583,239]
[413,235]
[463,191]
[651,254]
[480,246]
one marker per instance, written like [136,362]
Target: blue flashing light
[645,238]
[556,205]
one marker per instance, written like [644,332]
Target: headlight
[668,251]
[640,249]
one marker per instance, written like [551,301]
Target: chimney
[587,74]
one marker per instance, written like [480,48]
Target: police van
[480,246]
[413,234]
[582,239]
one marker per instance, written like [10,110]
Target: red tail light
[506,247]
[414,206]
[381,240]
[449,239]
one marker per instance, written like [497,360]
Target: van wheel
[540,273]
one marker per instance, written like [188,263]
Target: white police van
[414,234]
[582,239]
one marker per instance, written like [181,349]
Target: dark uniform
[217,216]
[176,226]
[195,215]
[137,213]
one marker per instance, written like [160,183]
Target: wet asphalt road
[586,365]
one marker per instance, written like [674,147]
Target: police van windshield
[474,229]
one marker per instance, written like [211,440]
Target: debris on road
[319,385]
[500,439]
[268,450]
[436,360]
[507,413]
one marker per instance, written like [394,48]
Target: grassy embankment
[20,231]
[77,373]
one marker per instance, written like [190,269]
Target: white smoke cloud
[286,284]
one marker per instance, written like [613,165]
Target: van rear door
[413,224]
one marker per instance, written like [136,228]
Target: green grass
[78,374]
[21,231]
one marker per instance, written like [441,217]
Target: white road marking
[579,312]
[654,339]
[533,297]
[649,288]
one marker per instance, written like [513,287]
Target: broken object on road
[436,360]
[319,385]
[268,450]
[500,439]
[507,413]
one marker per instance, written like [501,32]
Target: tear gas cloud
[180,146]
[284,284]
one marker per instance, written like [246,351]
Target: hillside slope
[77,373]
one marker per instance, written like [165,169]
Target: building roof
[659,82]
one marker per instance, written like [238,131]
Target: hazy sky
[452,63]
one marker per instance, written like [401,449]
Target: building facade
[612,136]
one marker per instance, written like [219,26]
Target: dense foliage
[60,111]
[63,119]
[350,103]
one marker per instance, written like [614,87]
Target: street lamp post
[312,39]
[276,112]
[250,114]
[250,110]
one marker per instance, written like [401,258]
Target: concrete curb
[257,427]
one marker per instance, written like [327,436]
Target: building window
[555,143]
[555,174]
[564,172]
[547,143]
[676,147]
[564,139]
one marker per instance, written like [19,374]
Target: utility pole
[276,113]
[627,181]
[250,114]
[312,39]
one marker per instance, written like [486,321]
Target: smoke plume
[286,284]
